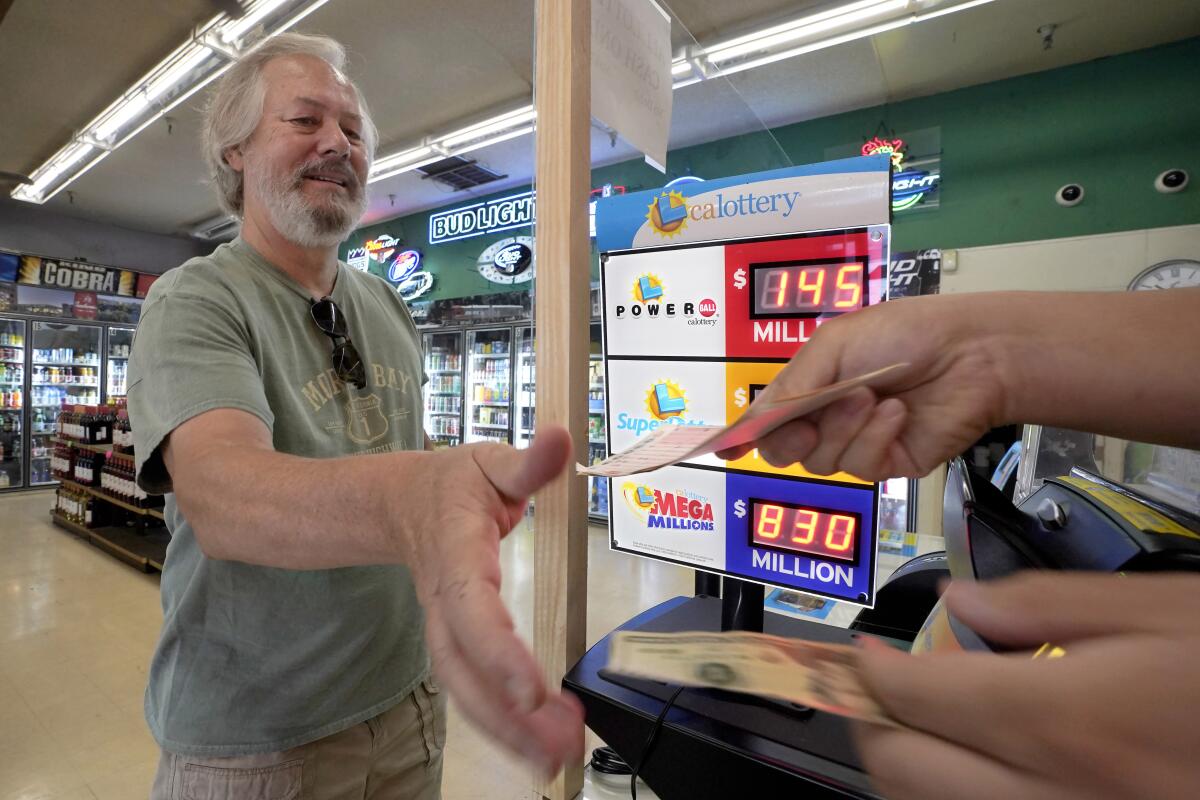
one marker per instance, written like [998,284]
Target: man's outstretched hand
[475,496]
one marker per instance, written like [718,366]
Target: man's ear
[233,157]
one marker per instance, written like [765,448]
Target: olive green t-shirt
[256,659]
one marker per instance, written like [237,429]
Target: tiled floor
[77,628]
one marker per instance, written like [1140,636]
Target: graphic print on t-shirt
[364,420]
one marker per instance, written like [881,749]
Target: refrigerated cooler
[444,389]
[597,435]
[489,385]
[64,368]
[526,388]
[12,403]
[494,397]
[116,366]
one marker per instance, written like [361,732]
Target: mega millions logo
[668,213]
[682,511]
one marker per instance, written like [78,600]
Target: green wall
[1111,125]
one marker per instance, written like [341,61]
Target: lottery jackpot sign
[697,320]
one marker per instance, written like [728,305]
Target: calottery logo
[666,404]
[679,510]
[648,289]
[668,213]
[666,400]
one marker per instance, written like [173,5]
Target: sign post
[561,311]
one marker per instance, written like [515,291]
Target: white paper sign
[631,73]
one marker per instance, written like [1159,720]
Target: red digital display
[789,290]
[801,529]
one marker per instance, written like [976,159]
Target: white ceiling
[427,66]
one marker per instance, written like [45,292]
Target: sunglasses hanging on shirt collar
[347,363]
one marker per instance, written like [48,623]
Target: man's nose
[333,140]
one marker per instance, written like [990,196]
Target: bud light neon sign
[909,186]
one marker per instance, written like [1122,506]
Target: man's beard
[304,222]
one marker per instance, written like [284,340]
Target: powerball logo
[666,404]
[666,510]
[668,213]
[650,302]
[648,289]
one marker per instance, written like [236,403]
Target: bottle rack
[97,498]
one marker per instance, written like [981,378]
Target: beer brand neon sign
[909,186]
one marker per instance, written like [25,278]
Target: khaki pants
[397,754]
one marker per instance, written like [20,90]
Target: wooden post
[562,92]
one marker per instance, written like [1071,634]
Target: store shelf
[443,371]
[108,498]
[443,413]
[597,441]
[95,448]
[66,385]
[490,427]
[446,394]
[490,403]
[490,355]
[145,551]
[66,363]
[118,358]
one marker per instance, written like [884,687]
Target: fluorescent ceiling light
[493,130]
[803,28]
[191,66]
[720,59]
[503,122]
[504,137]
[815,46]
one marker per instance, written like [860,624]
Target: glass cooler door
[597,436]
[526,390]
[64,370]
[489,385]
[120,340]
[13,399]
[444,391]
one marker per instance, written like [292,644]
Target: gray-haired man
[276,393]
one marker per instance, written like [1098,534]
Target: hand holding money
[822,676]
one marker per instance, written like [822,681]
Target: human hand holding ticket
[671,444]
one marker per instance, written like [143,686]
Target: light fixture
[205,56]
[490,131]
[802,28]
[838,25]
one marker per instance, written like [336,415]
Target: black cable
[606,761]
[648,747]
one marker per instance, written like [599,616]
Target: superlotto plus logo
[650,301]
[666,404]
[679,510]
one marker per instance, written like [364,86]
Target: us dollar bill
[826,677]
